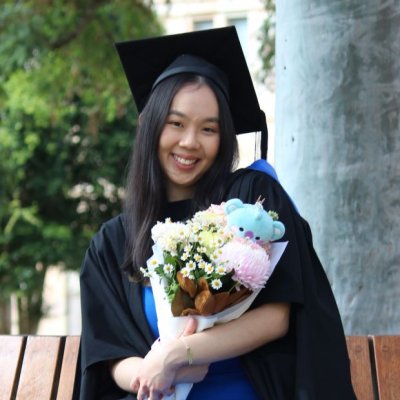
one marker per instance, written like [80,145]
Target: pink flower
[217,209]
[249,260]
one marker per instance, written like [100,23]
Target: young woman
[290,344]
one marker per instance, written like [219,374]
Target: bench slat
[11,350]
[68,368]
[39,368]
[360,365]
[387,361]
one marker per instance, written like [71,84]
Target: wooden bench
[375,366]
[43,367]
[38,367]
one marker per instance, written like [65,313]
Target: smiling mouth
[185,161]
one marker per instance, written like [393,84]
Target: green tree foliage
[267,49]
[66,125]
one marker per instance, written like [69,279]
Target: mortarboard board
[148,61]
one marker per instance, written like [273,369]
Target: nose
[249,234]
[189,139]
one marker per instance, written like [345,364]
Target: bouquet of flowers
[211,266]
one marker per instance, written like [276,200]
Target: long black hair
[145,188]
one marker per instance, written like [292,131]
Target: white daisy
[168,269]
[191,265]
[202,264]
[220,270]
[216,284]
[197,257]
[185,272]
[209,268]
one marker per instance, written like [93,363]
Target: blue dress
[225,379]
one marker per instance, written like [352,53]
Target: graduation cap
[214,53]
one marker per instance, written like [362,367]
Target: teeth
[184,161]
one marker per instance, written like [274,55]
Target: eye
[257,238]
[241,229]
[175,124]
[210,130]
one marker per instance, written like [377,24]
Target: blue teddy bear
[252,221]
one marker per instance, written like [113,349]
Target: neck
[182,194]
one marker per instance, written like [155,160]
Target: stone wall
[338,146]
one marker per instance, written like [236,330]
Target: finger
[135,386]
[155,395]
[143,393]
[190,327]
[169,391]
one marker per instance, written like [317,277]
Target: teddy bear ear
[279,230]
[259,211]
[232,205]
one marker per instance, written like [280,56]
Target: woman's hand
[156,375]
[156,378]
[164,366]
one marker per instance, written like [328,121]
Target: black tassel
[264,136]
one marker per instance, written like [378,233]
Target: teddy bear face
[252,221]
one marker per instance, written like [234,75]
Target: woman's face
[189,141]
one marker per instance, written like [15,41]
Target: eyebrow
[180,114]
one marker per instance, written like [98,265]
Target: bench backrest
[375,366]
[38,367]
[43,367]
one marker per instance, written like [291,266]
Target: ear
[232,205]
[278,230]
[259,211]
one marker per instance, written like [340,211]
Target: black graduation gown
[309,363]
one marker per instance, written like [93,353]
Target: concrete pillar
[338,146]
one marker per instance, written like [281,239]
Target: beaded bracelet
[189,353]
